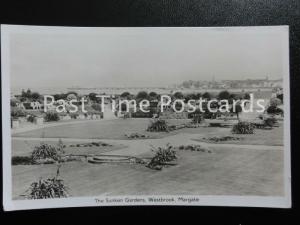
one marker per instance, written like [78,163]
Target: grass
[24,148]
[103,129]
[225,171]
[272,137]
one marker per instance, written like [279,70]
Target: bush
[197,148]
[96,106]
[274,110]
[17,112]
[48,188]
[162,156]
[243,128]
[46,152]
[74,115]
[31,118]
[197,118]
[275,102]
[158,125]
[51,116]
[270,121]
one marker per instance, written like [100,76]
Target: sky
[154,57]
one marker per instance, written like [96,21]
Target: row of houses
[232,84]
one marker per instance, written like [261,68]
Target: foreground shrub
[48,188]
[162,156]
[243,128]
[51,116]
[158,125]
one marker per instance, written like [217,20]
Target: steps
[99,159]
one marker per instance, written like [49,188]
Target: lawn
[104,129]
[272,137]
[25,147]
[225,171]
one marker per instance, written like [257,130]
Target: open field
[225,171]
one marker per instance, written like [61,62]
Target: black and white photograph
[107,116]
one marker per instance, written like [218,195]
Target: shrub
[222,139]
[162,156]
[22,160]
[48,188]
[274,110]
[17,112]
[243,128]
[275,102]
[74,115]
[158,125]
[197,148]
[31,118]
[136,136]
[51,116]
[270,121]
[46,152]
[96,106]
[197,118]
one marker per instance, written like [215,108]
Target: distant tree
[59,96]
[178,95]
[72,92]
[125,94]
[92,97]
[198,95]
[191,96]
[246,96]
[35,96]
[197,84]
[187,84]
[26,94]
[224,95]
[142,95]
[153,94]
[206,95]
[71,96]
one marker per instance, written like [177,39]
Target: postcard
[193,116]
